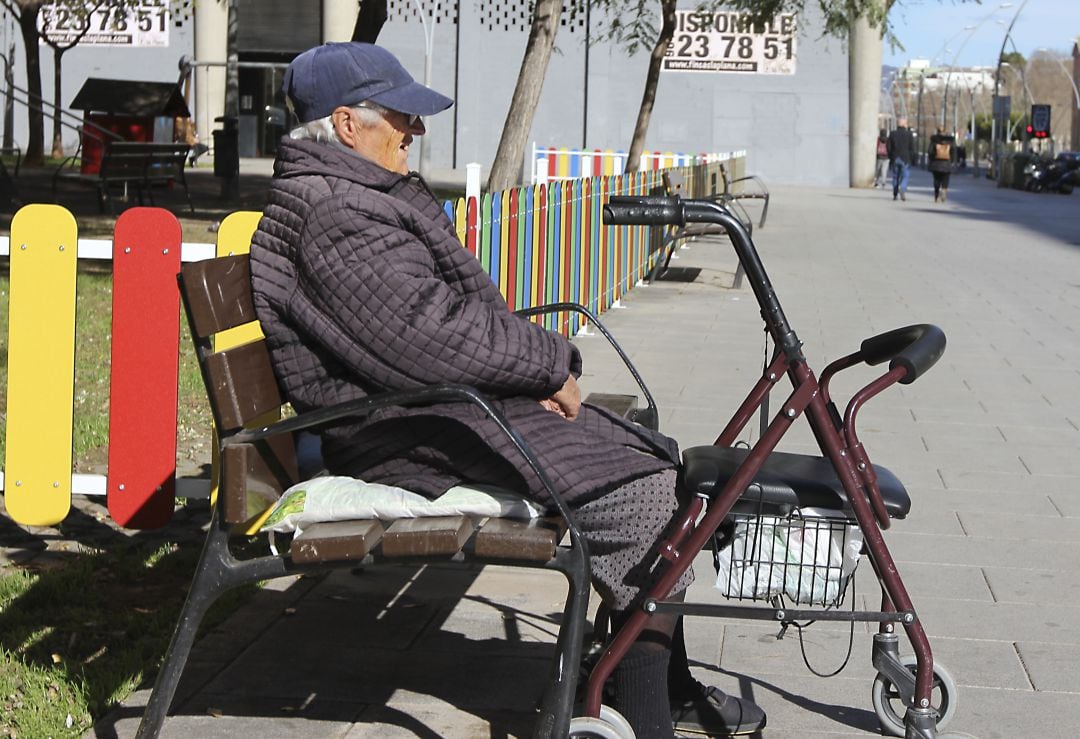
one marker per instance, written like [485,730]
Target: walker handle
[644,210]
[915,348]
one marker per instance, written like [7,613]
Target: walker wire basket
[807,556]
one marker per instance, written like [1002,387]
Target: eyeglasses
[412,119]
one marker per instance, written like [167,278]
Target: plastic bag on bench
[808,557]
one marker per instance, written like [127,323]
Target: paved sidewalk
[986,442]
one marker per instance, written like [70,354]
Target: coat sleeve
[370,293]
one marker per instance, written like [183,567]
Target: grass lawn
[77,639]
[80,635]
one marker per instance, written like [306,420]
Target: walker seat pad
[786,481]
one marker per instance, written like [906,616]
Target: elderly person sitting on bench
[361,285]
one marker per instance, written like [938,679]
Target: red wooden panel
[145,346]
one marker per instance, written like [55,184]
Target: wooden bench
[259,462]
[130,164]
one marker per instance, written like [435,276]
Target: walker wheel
[609,725]
[890,706]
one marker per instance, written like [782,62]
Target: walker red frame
[910,352]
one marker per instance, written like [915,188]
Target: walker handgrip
[629,210]
[915,348]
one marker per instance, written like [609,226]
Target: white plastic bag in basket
[789,556]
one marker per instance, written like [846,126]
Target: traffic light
[1040,122]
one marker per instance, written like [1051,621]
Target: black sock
[681,684]
[640,683]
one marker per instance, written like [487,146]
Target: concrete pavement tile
[1052,460]
[1032,528]
[925,580]
[1067,502]
[1052,667]
[1037,437]
[930,502]
[1032,415]
[404,717]
[1035,586]
[988,551]
[996,714]
[230,727]
[999,622]
[957,479]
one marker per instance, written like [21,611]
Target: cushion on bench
[332,498]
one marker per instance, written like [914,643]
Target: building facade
[792,118]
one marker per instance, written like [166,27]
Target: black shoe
[715,713]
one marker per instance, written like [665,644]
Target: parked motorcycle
[1060,174]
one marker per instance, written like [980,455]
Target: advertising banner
[730,42]
[144,23]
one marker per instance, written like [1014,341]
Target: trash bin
[227,148]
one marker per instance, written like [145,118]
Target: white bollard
[472,181]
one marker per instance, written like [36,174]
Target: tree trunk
[506,169]
[652,81]
[369,21]
[57,136]
[35,142]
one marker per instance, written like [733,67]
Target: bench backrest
[137,160]
[240,385]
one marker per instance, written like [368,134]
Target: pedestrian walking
[942,156]
[901,148]
[882,159]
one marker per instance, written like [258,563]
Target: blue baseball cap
[328,76]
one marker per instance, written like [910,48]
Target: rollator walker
[777,521]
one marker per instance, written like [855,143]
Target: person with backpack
[901,148]
[882,159]
[942,156]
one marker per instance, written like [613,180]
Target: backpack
[882,148]
[942,150]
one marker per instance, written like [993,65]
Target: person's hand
[566,401]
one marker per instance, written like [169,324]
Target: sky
[969,34]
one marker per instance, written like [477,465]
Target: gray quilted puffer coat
[361,285]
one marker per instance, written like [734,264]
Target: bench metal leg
[557,705]
[217,572]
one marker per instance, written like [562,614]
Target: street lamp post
[997,82]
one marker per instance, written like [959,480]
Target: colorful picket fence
[556,164]
[540,244]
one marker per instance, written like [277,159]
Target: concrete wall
[794,127]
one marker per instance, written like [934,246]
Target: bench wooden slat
[532,541]
[220,293]
[427,537]
[254,476]
[243,386]
[336,541]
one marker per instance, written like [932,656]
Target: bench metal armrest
[762,194]
[421,396]
[649,416]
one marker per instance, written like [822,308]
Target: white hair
[322,129]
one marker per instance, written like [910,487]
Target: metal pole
[997,82]
[429,40]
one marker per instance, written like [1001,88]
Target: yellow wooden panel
[41,365]
[234,237]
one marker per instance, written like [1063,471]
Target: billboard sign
[135,23]
[730,42]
